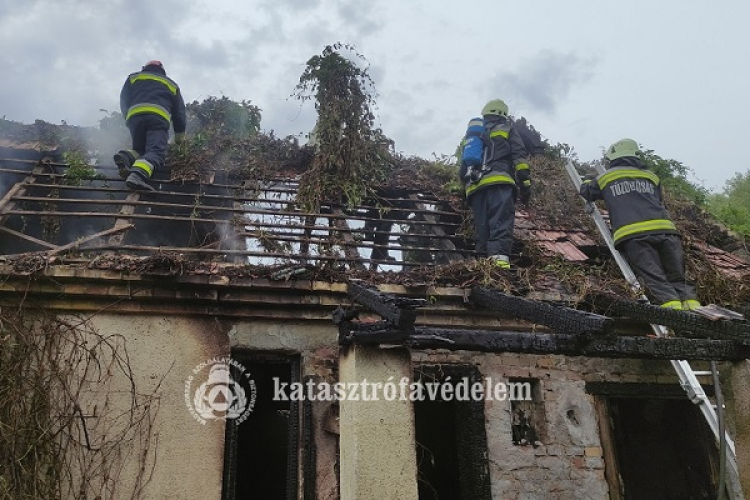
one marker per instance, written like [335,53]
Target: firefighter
[641,228]
[150,102]
[492,187]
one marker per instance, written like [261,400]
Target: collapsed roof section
[410,231]
[217,218]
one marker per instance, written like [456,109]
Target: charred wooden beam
[397,311]
[333,213]
[350,250]
[77,243]
[439,231]
[122,221]
[8,202]
[552,343]
[382,332]
[26,237]
[559,318]
[673,318]
[347,243]
[313,259]
[641,390]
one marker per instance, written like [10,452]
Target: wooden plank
[12,192]
[559,318]
[249,253]
[714,312]
[323,241]
[558,343]
[245,208]
[342,228]
[609,453]
[345,232]
[27,238]
[242,207]
[641,390]
[437,230]
[40,213]
[101,234]
[122,221]
[7,203]
[237,238]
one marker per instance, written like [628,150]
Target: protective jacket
[151,91]
[505,154]
[634,200]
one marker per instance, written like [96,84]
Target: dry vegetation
[555,206]
[352,164]
[47,436]
[61,435]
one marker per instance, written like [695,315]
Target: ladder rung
[702,373]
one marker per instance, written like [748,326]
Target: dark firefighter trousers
[150,134]
[494,209]
[658,261]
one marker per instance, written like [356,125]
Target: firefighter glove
[525,192]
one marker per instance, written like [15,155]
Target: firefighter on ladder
[641,228]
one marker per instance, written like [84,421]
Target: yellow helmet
[621,149]
[495,107]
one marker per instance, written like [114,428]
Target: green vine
[350,154]
[79,169]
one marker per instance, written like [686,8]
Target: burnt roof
[411,231]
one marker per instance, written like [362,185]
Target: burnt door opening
[262,452]
[437,457]
[451,439]
[665,450]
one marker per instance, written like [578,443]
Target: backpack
[472,154]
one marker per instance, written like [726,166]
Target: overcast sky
[671,74]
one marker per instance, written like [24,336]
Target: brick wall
[568,462]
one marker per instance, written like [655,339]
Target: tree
[673,175]
[732,207]
[223,117]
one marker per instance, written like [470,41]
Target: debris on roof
[228,205]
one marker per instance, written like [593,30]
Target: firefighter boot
[138,183]
[124,160]
[500,261]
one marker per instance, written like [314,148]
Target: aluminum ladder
[688,376]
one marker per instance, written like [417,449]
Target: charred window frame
[451,439]
[237,455]
[622,404]
[528,416]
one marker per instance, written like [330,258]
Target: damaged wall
[164,349]
[180,458]
[568,462]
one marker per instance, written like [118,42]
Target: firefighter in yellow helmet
[150,102]
[641,227]
[492,187]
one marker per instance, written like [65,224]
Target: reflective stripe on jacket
[149,91]
[633,198]
[506,157]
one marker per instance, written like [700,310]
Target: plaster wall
[187,458]
[183,459]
